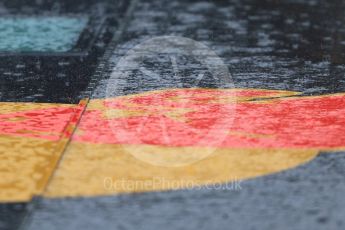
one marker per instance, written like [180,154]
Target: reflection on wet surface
[46,121]
[130,168]
[181,126]
[250,118]
[61,72]
[292,45]
[27,160]
[288,45]
[32,137]
[187,134]
[41,34]
[25,164]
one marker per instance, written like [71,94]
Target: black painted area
[307,197]
[58,77]
[11,215]
[289,45]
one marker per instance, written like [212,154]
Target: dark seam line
[102,66]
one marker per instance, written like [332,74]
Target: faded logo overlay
[169,117]
[189,133]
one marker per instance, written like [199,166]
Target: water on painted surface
[40,34]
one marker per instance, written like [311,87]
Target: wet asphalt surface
[292,45]
[58,77]
[308,197]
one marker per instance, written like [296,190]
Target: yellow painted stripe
[11,107]
[26,163]
[96,166]
[95,163]
[104,169]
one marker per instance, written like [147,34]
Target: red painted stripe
[297,122]
[194,117]
[46,123]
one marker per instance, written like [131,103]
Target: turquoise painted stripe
[40,34]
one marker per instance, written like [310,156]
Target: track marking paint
[271,131]
[86,166]
[32,137]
